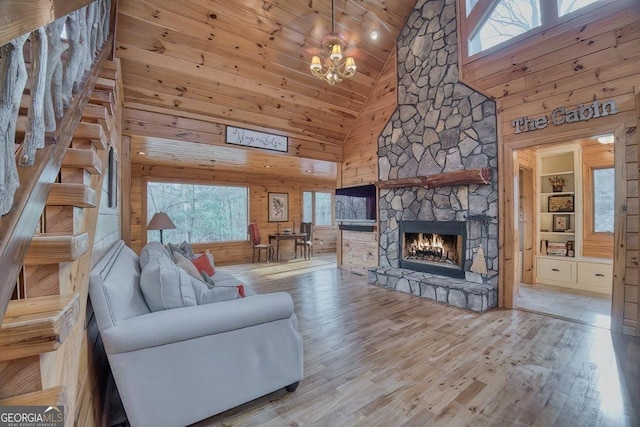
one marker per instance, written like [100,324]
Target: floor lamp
[161,221]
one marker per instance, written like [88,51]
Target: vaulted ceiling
[246,62]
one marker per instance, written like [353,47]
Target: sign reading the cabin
[562,115]
[252,138]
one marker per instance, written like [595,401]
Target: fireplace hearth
[436,247]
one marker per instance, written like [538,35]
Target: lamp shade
[160,221]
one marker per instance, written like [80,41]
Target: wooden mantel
[461,177]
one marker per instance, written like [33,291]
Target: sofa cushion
[184,248]
[188,266]
[153,250]
[165,285]
[203,265]
[207,295]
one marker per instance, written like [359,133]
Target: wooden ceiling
[246,63]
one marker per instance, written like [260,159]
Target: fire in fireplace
[433,246]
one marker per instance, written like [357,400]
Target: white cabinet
[596,277]
[556,270]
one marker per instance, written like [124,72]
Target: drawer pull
[599,275]
[554,269]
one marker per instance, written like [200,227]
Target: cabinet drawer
[593,274]
[556,270]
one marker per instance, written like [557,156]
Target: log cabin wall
[592,56]
[359,250]
[259,187]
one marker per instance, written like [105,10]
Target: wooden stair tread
[95,112]
[71,194]
[37,325]
[54,396]
[106,84]
[54,248]
[93,132]
[103,97]
[83,159]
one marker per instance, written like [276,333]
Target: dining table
[285,236]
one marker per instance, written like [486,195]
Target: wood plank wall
[595,56]
[259,187]
[359,250]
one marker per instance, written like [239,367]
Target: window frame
[185,181]
[331,192]
[469,23]
[590,220]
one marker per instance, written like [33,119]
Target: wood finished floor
[375,357]
[587,307]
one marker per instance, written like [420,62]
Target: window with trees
[489,23]
[603,200]
[317,208]
[201,213]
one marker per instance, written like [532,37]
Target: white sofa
[178,366]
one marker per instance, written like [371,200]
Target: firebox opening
[436,247]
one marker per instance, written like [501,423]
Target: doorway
[565,208]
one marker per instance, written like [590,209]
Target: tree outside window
[603,200]
[201,213]
[317,208]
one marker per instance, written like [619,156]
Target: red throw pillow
[202,264]
[241,291]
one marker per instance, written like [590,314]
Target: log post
[53,102]
[74,59]
[445,179]
[13,78]
[34,135]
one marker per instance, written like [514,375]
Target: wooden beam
[93,132]
[445,179]
[37,325]
[18,17]
[55,248]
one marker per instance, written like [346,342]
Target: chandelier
[327,65]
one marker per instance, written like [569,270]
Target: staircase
[45,346]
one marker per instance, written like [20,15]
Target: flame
[423,242]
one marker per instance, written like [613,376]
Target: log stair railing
[36,332]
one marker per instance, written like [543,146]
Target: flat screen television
[356,205]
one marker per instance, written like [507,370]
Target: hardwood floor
[587,307]
[375,357]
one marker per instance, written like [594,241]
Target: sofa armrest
[181,324]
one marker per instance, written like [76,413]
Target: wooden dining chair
[305,244]
[254,236]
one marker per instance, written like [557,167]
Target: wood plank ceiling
[246,63]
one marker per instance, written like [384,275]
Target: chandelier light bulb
[350,66]
[336,52]
[316,64]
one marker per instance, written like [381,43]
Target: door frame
[509,233]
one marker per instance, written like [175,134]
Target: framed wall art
[561,203]
[278,207]
[561,223]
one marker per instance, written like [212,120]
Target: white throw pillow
[165,285]
[207,295]
[183,262]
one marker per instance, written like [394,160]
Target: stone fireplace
[433,247]
[440,127]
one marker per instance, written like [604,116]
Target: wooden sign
[562,115]
[252,138]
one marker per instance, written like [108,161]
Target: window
[201,213]
[568,6]
[603,200]
[492,22]
[509,19]
[317,207]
